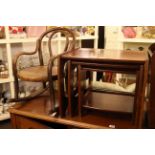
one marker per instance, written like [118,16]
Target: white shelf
[27,40]
[22,40]
[86,37]
[5,80]
[137,40]
[3,41]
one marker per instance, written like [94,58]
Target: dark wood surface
[101,101]
[97,55]
[36,114]
[121,61]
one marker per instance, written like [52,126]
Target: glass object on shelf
[4,73]
[2,32]
[17,32]
[4,96]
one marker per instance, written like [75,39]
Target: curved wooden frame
[70,45]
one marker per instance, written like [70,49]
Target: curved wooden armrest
[15,59]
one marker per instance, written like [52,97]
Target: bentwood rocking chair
[45,73]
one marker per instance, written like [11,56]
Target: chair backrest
[49,36]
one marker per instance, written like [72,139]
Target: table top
[89,54]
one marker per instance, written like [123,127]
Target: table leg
[61,93]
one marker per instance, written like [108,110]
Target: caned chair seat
[37,73]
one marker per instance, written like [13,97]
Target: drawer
[29,123]
[22,122]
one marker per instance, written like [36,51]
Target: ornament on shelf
[129,32]
[17,32]
[90,30]
[148,32]
[140,48]
[82,30]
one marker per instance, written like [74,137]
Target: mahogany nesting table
[100,60]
